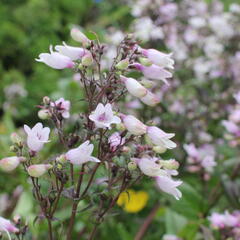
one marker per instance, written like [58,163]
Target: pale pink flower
[133,125]
[78,36]
[150,99]
[62,106]
[237,95]
[81,154]
[235,116]
[115,140]
[230,220]
[231,127]
[149,166]
[217,220]
[168,185]
[7,226]
[154,72]
[37,136]
[103,116]
[134,87]
[37,170]
[191,150]
[8,164]
[74,53]
[160,138]
[55,60]
[158,58]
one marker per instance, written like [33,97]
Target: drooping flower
[37,170]
[74,53]
[168,185]
[160,138]
[150,166]
[158,58]
[150,99]
[115,140]
[7,226]
[37,136]
[55,60]
[62,106]
[8,164]
[133,125]
[81,154]
[134,87]
[154,72]
[103,116]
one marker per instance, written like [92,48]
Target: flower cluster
[102,133]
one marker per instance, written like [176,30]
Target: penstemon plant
[108,142]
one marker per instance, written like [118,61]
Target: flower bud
[159,149]
[13,148]
[133,125]
[46,100]
[44,114]
[120,127]
[123,64]
[145,61]
[147,83]
[87,60]
[150,99]
[78,36]
[16,139]
[134,87]
[132,166]
[8,164]
[126,149]
[171,164]
[38,170]
[61,159]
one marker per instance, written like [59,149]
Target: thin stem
[50,229]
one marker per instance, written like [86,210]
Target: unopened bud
[87,60]
[46,100]
[123,64]
[120,127]
[59,166]
[38,170]
[171,164]
[8,164]
[145,62]
[126,149]
[17,219]
[147,83]
[78,36]
[44,114]
[132,166]
[13,148]
[16,139]
[150,99]
[159,149]
[61,159]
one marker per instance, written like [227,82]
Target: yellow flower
[133,201]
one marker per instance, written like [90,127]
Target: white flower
[103,116]
[37,136]
[115,140]
[8,164]
[55,60]
[149,166]
[63,106]
[78,36]
[158,58]
[150,99]
[134,87]
[168,185]
[37,170]
[72,52]
[81,154]
[160,138]
[133,125]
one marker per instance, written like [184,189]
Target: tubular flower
[154,72]
[158,58]
[103,116]
[168,185]
[8,164]
[160,138]
[55,60]
[134,87]
[81,154]
[78,36]
[7,226]
[133,125]
[150,99]
[74,53]
[115,140]
[37,136]
[38,170]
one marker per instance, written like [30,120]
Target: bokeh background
[204,37]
